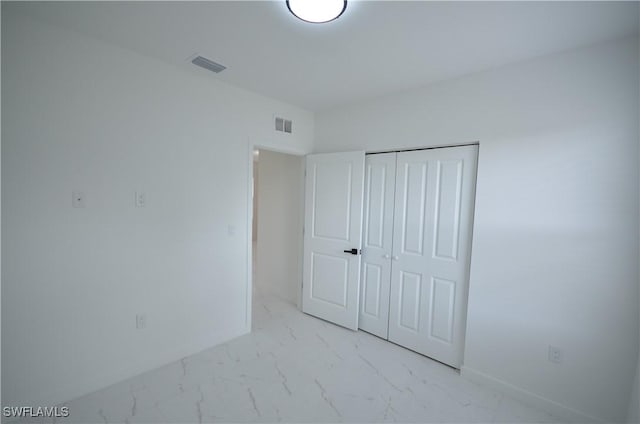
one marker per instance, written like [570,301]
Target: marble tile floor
[296,368]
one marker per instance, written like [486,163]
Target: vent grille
[210,65]
[284,125]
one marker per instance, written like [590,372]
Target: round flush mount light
[317,11]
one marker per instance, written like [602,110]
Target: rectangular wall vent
[284,125]
[210,65]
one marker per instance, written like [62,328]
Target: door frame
[251,146]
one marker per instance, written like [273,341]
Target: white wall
[633,414]
[0,210]
[82,115]
[281,201]
[555,243]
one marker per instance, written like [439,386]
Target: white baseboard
[555,408]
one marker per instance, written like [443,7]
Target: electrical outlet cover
[141,199]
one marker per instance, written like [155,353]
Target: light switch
[141,199]
[141,321]
[231,230]
[78,199]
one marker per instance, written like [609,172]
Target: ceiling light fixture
[317,11]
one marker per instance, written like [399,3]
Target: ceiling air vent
[205,63]
[284,125]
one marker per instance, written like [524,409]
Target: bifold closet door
[379,188]
[433,215]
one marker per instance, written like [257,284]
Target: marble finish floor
[296,368]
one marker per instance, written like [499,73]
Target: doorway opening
[278,207]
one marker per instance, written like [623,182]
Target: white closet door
[432,243]
[379,188]
[333,227]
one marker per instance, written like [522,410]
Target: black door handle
[352,251]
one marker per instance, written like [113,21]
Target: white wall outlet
[231,230]
[555,354]
[78,199]
[141,321]
[141,199]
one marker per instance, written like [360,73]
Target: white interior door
[379,189]
[333,227]
[432,244]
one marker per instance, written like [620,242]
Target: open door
[332,237]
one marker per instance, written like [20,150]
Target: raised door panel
[409,301]
[446,225]
[412,207]
[371,291]
[331,200]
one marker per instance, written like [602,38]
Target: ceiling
[375,48]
